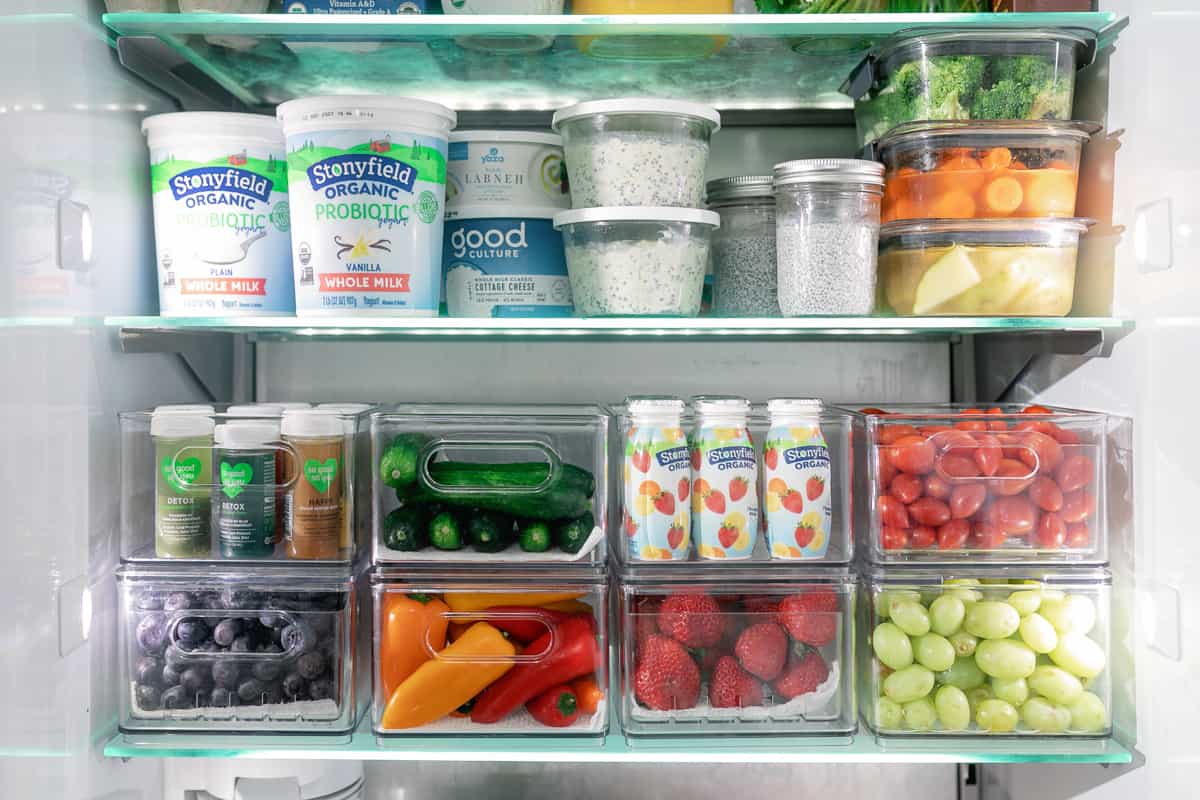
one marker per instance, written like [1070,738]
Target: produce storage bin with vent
[458,654]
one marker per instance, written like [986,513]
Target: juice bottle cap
[345,408]
[179,424]
[721,405]
[312,422]
[185,408]
[654,406]
[247,433]
[805,406]
[290,404]
[255,410]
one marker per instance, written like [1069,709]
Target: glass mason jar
[743,248]
[827,235]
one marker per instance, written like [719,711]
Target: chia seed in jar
[743,249]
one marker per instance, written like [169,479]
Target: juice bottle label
[724,492]
[799,509]
[183,484]
[244,509]
[658,478]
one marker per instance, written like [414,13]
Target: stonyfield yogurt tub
[368,179]
[221,220]
[503,169]
[636,151]
[505,264]
[637,261]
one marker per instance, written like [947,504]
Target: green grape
[1043,716]
[1004,658]
[964,673]
[946,615]
[996,716]
[962,582]
[976,696]
[892,646]
[991,619]
[1075,613]
[1079,655]
[885,600]
[1088,714]
[920,715]
[1038,633]
[1015,690]
[952,708]
[934,652]
[908,684]
[1052,594]
[911,616]
[1025,601]
[889,714]
[964,595]
[1055,684]
[964,643]
[994,581]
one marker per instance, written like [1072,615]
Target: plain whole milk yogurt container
[506,263]
[506,168]
[221,218]
[368,179]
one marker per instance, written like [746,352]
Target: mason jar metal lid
[829,170]
[740,187]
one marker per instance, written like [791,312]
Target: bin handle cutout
[287,619]
[181,484]
[532,615]
[541,450]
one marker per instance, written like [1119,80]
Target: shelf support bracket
[1015,367]
[158,64]
[208,356]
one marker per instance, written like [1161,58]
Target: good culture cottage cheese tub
[506,168]
[221,217]
[368,178]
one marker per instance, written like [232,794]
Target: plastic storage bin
[246,649]
[462,655]
[742,656]
[983,267]
[967,74]
[1010,484]
[973,170]
[977,653]
[460,484]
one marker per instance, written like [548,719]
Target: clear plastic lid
[829,171]
[931,232]
[795,407]
[740,187]
[654,406]
[653,106]
[246,434]
[291,404]
[186,408]
[919,43]
[177,424]
[255,410]
[919,132]
[721,406]
[637,214]
[312,423]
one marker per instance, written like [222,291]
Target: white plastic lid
[480,211]
[291,404]
[312,422]
[255,410]
[345,408]
[795,406]
[639,105]
[174,423]
[247,433]
[724,406]
[637,214]
[312,110]
[651,406]
[207,124]
[527,137]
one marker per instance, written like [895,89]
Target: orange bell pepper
[412,624]
[478,601]
[588,694]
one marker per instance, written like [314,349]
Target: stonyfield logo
[736,457]
[492,156]
[222,179]
[359,167]
[807,457]
[673,459]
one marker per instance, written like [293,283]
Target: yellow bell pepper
[570,607]
[454,676]
[477,601]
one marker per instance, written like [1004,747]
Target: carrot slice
[1017,165]
[1003,196]
[1058,163]
[997,158]
[953,205]
[1049,193]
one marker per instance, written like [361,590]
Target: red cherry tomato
[1065,436]
[1078,536]
[967,499]
[1016,516]
[872,411]
[887,470]
[971,425]
[924,536]
[955,443]
[965,411]
[1040,426]
[906,488]
[933,430]
[1078,506]
[1051,532]
[988,454]
[913,454]
[1075,472]
[1045,494]
[957,467]
[937,486]
[894,538]
[929,511]
[1036,410]
[1012,477]
[953,535]
[1011,444]
[892,512]
[997,424]
[888,434]
[1041,452]
[986,536]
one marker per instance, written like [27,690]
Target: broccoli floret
[1051,101]
[883,112]
[957,76]
[1025,70]
[908,80]
[1006,100]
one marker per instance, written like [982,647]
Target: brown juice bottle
[315,503]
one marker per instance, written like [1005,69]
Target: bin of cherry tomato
[976,170]
[1008,483]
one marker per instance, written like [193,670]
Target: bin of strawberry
[1000,484]
[743,656]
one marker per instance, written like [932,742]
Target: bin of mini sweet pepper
[459,654]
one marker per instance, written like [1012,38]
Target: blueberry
[171,676]
[322,624]
[226,673]
[151,634]
[209,600]
[266,670]
[177,697]
[310,665]
[222,698]
[195,679]
[294,686]
[241,598]
[149,601]
[273,620]
[298,637]
[148,698]
[226,631]
[191,632]
[251,690]
[273,694]
[177,601]
[174,656]
[241,644]
[322,689]
[148,671]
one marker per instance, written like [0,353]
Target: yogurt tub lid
[657,405]
[255,410]
[297,112]
[345,408]
[288,405]
[206,124]
[499,211]
[740,187]
[794,405]
[637,214]
[536,137]
[656,106]
[828,170]
[181,423]
[246,433]
[916,131]
[312,422]
[186,408]
[727,405]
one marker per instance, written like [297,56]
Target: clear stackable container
[981,653]
[460,654]
[1011,483]
[740,656]
[522,485]
[248,649]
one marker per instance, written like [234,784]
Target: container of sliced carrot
[982,170]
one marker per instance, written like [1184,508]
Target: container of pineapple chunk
[972,267]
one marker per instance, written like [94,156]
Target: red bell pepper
[525,623]
[566,653]
[556,707]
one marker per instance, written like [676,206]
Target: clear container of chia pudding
[745,282]
[636,151]
[637,261]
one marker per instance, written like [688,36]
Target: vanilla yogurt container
[368,179]
[221,220]
[502,169]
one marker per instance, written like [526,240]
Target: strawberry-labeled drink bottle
[724,479]
[658,479]
[799,511]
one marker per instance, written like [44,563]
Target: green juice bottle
[244,503]
[183,443]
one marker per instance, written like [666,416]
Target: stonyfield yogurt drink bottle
[724,479]
[658,476]
[796,470]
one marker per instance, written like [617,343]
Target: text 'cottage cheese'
[368,179]
[221,216]
[505,266]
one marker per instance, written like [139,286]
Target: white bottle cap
[247,433]
[175,424]
[312,423]
[727,406]
[290,404]
[186,408]
[662,407]
[795,406]
[255,410]
[345,408]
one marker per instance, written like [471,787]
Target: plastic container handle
[188,654]
[485,616]
[542,450]
[212,450]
